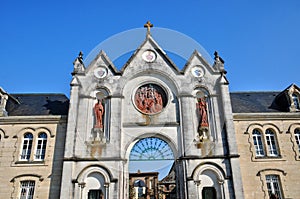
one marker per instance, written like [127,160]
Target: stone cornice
[91,159]
[52,119]
[265,116]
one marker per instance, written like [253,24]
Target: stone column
[67,189]
[106,185]
[81,187]
[231,140]
[197,183]
[185,142]
[221,183]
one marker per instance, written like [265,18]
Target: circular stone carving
[149,56]
[150,99]
[197,71]
[100,72]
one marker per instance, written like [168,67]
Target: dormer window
[296,101]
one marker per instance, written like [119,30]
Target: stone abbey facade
[225,145]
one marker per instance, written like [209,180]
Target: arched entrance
[209,179]
[93,183]
[150,163]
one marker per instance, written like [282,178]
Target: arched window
[258,144]
[27,145]
[41,146]
[27,189]
[297,138]
[271,143]
[296,101]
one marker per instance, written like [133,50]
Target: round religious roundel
[149,56]
[197,71]
[100,72]
[150,99]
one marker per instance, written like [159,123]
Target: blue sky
[259,40]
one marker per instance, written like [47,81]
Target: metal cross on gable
[148,25]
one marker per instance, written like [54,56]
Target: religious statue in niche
[203,118]
[202,109]
[150,99]
[99,114]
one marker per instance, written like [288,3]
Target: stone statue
[99,113]
[202,110]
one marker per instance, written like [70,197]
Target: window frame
[296,102]
[281,177]
[273,185]
[297,138]
[271,143]
[41,147]
[26,147]
[27,187]
[258,143]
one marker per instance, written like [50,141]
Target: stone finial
[78,64]
[148,25]
[218,58]
[219,63]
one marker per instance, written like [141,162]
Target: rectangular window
[297,138]
[27,189]
[41,149]
[26,150]
[273,185]
[271,143]
[259,149]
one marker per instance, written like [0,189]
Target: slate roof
[37,104]
[58,104]
[253,102]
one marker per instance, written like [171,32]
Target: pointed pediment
[197,59]
[102,60]
[149,53]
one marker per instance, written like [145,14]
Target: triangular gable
[103,60]
[197,55]
[154,47]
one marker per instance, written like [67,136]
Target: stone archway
[150,161]
[93,183]
[209,180]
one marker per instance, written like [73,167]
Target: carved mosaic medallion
[150,99]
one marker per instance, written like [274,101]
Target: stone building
[111,110]
[268,136]
[32,136]
[224,145]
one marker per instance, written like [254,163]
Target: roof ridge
[254,91]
